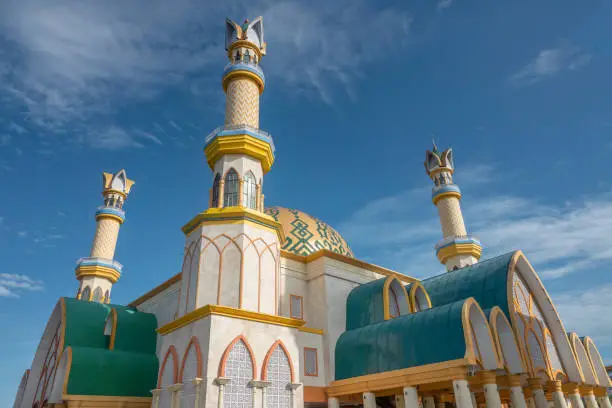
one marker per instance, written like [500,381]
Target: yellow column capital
[555,386]
[514,380]
[535,383]
[488,377]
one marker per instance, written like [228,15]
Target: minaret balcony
[104,211]
[458,245]
[240,139]
[99,267]
[244,69]
[457,239]
[445,191]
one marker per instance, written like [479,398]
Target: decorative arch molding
[194,342]
[60,383]
[480,347]
[599,368]
[520,267]
[173,356]
[506,342]
[582,358]
[229,348]
[395,293]
[419,297]
[264,368]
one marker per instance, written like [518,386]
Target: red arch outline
[229,348]
[171,351]
[264,368]
[195,343]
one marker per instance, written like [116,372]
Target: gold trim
[113,336]
[240,144]
[156,290]
[446,194]
[234,215]
[108,191]
[311,330]
[459,249]
[325,253]
[110,216]
[440,170]
[245,44]
[216,310]
[387,301]
[230,76]
[413,300]
[97,271]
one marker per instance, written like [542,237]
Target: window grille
[215,191]
[249,191]
[86,293]
[279,374]
[97,295]
[296,310]
[239,369]
[311,365]
[230,195]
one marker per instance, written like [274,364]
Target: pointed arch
[231,188]
[172,355]
[599,368]
[97,295]
[107,297]
[419,298]
[194,342]
[478,339]
[506,342]
[264,369]
[249,191]
[86,294]
[215,191]
[582,358]
[395,298]
[228,349]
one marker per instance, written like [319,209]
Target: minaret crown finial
[249,34]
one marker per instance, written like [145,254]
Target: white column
[428,402]
[604,402]
[197,384]
[491,393]
[333,402]
[589,399]
[176,395]
[474,401]
[155,402]
[221,382]
[293,387]
[369,400]
[557,394]
[410,397]
[463,396]
[538,393]
[517,397]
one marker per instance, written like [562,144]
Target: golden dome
[305,234]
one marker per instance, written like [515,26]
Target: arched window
[167,378]
[97,295]
[230,194]
[107,296]
[239,369]
[189,371]
[393,303]
[86,294]
[249,191]
[396,298]
[215,191]
[278,373]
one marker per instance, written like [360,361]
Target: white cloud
[593,303]
[400,231]
[114,138]
[11,285]
[549,62]
[69,61]
[17,128]
[444,4]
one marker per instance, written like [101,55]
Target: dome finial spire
[433,142]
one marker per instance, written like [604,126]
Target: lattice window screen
[279,374]
[239,369]
[310,362]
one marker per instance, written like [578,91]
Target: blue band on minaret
[110,211]
[255,69]
[107,263]
[446,188]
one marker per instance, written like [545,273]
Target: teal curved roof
[485,281]
[130,369]
[365,305]
[398,343]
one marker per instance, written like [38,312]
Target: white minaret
[100,271]
[457,248]
[233,249]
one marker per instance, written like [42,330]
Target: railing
[251,129]
[453,238]
[252,66]
[100,261]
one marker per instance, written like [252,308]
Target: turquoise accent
[444,189]
[486,281]
[462,240]
[99,262]
[111,210]
[365,305]
[431,336]
[130,370]
[255,69]
[243,130]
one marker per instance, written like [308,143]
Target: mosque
[272,310]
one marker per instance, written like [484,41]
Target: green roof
[398,343]
[365,305]
[485,281]
[130,369]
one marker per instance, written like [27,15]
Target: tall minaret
[98,272]
[457,248]
[232,251]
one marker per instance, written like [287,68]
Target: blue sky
[355,90]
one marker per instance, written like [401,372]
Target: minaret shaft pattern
[242,103]
[105,240]
[451,220]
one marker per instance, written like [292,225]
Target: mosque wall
[294,300]
[163,305]
[242,164]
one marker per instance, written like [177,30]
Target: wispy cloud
[401,230]
[17,128]
[444,4]
[549,62]
[114,138]
[12,285]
